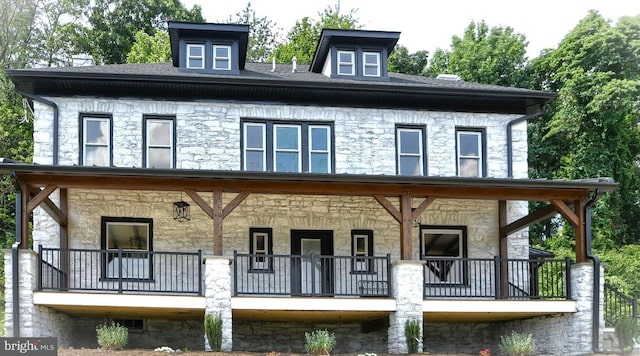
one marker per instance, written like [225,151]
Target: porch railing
[617,305]
[496,278]
[311,275]
[120,271]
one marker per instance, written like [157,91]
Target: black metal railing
[120,270]
[618,305]
[311,275]
[497,278]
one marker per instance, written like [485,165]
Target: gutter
[56,124]
[509,138]
[595,306]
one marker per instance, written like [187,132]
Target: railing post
[498,279]
[200,267]
[389,281]
[119,270]
[235,272]
[634,311]
[39,274]
[567,280]
[313,274]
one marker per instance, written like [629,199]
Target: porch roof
[133,178]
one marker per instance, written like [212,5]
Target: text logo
[42,346]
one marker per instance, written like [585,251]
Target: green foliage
[319,342]
[150,49]
[213,331]
[517,344]
[401,61]
[262,34]
[112,336]
[625,332]
[303,37]
[412,334]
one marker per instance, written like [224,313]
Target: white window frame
[361,265]
[312,151]
[261,263]
[366,65]
[401,154]
[457,273]
[86,144]
[150,146]
[190,57]
[133,267]
[221,58]
[351,64]
[298,151]
[262,149]
[478,158]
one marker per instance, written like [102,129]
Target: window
[346,63]
[195,56]
[159,142]
[287,147]
[444,247]
[131,324]
[127,242]
[96,140]
[470,149]
[371,64]
[362,246]
[410,150]
[221,57]
[260,245]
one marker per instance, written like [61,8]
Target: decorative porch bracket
[217,213]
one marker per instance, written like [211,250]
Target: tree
[262,34]
[484,55]
[303,37]
[18,22]
[150,49]
[401,61]
[113,24]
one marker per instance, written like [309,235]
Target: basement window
[131,324]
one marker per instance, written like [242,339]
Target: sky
[428,25]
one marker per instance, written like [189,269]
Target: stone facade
[407,279]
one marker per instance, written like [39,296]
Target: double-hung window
[444,248]
[96,140]
[195,55]
[470,153]
[221,57]
[261,245]
[346,63]
[127,243]
[410,151]
[159,142]
[371,64]
[361,249]
[287,147]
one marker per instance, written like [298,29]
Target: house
[287,198]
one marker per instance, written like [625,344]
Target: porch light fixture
[181,210]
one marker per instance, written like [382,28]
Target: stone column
[217,291]
[580,337]
[27,284]
[407,282]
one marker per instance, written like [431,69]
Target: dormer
[208,47]
[354,54]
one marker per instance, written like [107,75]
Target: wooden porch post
[406,228]
[580,231]
[64,236]
[503,249]
[217,221]
[24,217]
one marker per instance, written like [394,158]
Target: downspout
[56,124]
[595,318]
[509,138]
[15,256]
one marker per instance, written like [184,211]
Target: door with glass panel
[312,267]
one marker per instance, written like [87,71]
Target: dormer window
[221,57]
[195,56]
[346,63]
[371,64]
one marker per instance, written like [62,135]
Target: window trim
[377,65]
[269,249]
[82,124]
[370,266]
[104,222]
[216,58]
[269,144]
[276,150]
[246,149]
[189,56]
[482,163]
[423,148]
[145,139]
[351,64]
[462,231]
[328,152]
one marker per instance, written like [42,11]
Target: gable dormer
[354,54]
[208,47]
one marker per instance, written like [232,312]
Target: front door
[312,269]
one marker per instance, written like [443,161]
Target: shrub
[319,342]
[412,335]
[518,344]
[625,331]
[112,336]
[213,330]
